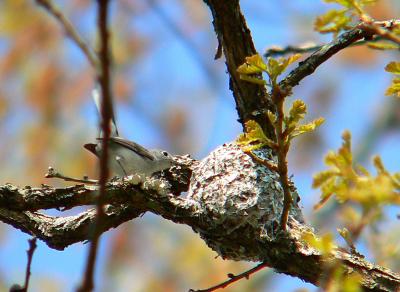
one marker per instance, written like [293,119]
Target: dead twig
[233,279]
[52,173]
[69,30]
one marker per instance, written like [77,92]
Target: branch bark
[233,203]
[252,101]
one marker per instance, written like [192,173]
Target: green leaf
[379,165]
[271,117]
[296,113]
[254,138]
[345,3]
[252,79]
[332,21]
[394,88]
[352,4]
[276,67]
[254,64]
[393,67]
[322,177]
[307,127]
[383,46]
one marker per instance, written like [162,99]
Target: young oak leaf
[355,5]
[254,64]
[394,88]
[296,113]
[324,244]
[299,130]
[276,67]
[393,67]
[352,183]
[383,46]
[254,137]
[332,21]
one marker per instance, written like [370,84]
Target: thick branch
[233,35]
[233,203]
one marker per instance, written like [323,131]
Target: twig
[52,173]
[277,51]
[233,279]
[278,97]
[69,30]
[382,29]
[270,165]
[106,116]
[30,251]
[309,65]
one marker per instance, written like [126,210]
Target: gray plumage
[127,157]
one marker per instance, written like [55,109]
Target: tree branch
[309,65]
[252,101]
[234,203]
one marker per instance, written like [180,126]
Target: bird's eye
[165,153]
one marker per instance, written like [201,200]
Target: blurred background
[171,94]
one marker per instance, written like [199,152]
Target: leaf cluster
[336,20]
[394,88]
[254,137]
[273,67]
[354,183]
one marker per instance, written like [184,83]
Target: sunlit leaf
[324,244]
[393,67]
[323,176]
[354,183]
[276,67]
[296,113]
[332,21]
[271,117]
[254,138]
[394,88]
[383,46]
[254,64]
[307,127]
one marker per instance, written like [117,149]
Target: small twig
[30,251]
[381,28]
[69,30]
[278,97]
[52,173]
[233,279]
[106,116]
[271,166]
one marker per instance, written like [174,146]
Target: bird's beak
[91,147]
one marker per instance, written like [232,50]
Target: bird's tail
[97,102]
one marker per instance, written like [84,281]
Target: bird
[127,157]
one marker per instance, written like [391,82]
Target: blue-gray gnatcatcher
[127,157]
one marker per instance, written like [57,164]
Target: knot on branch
[239,201]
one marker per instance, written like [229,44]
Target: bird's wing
[140,150]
